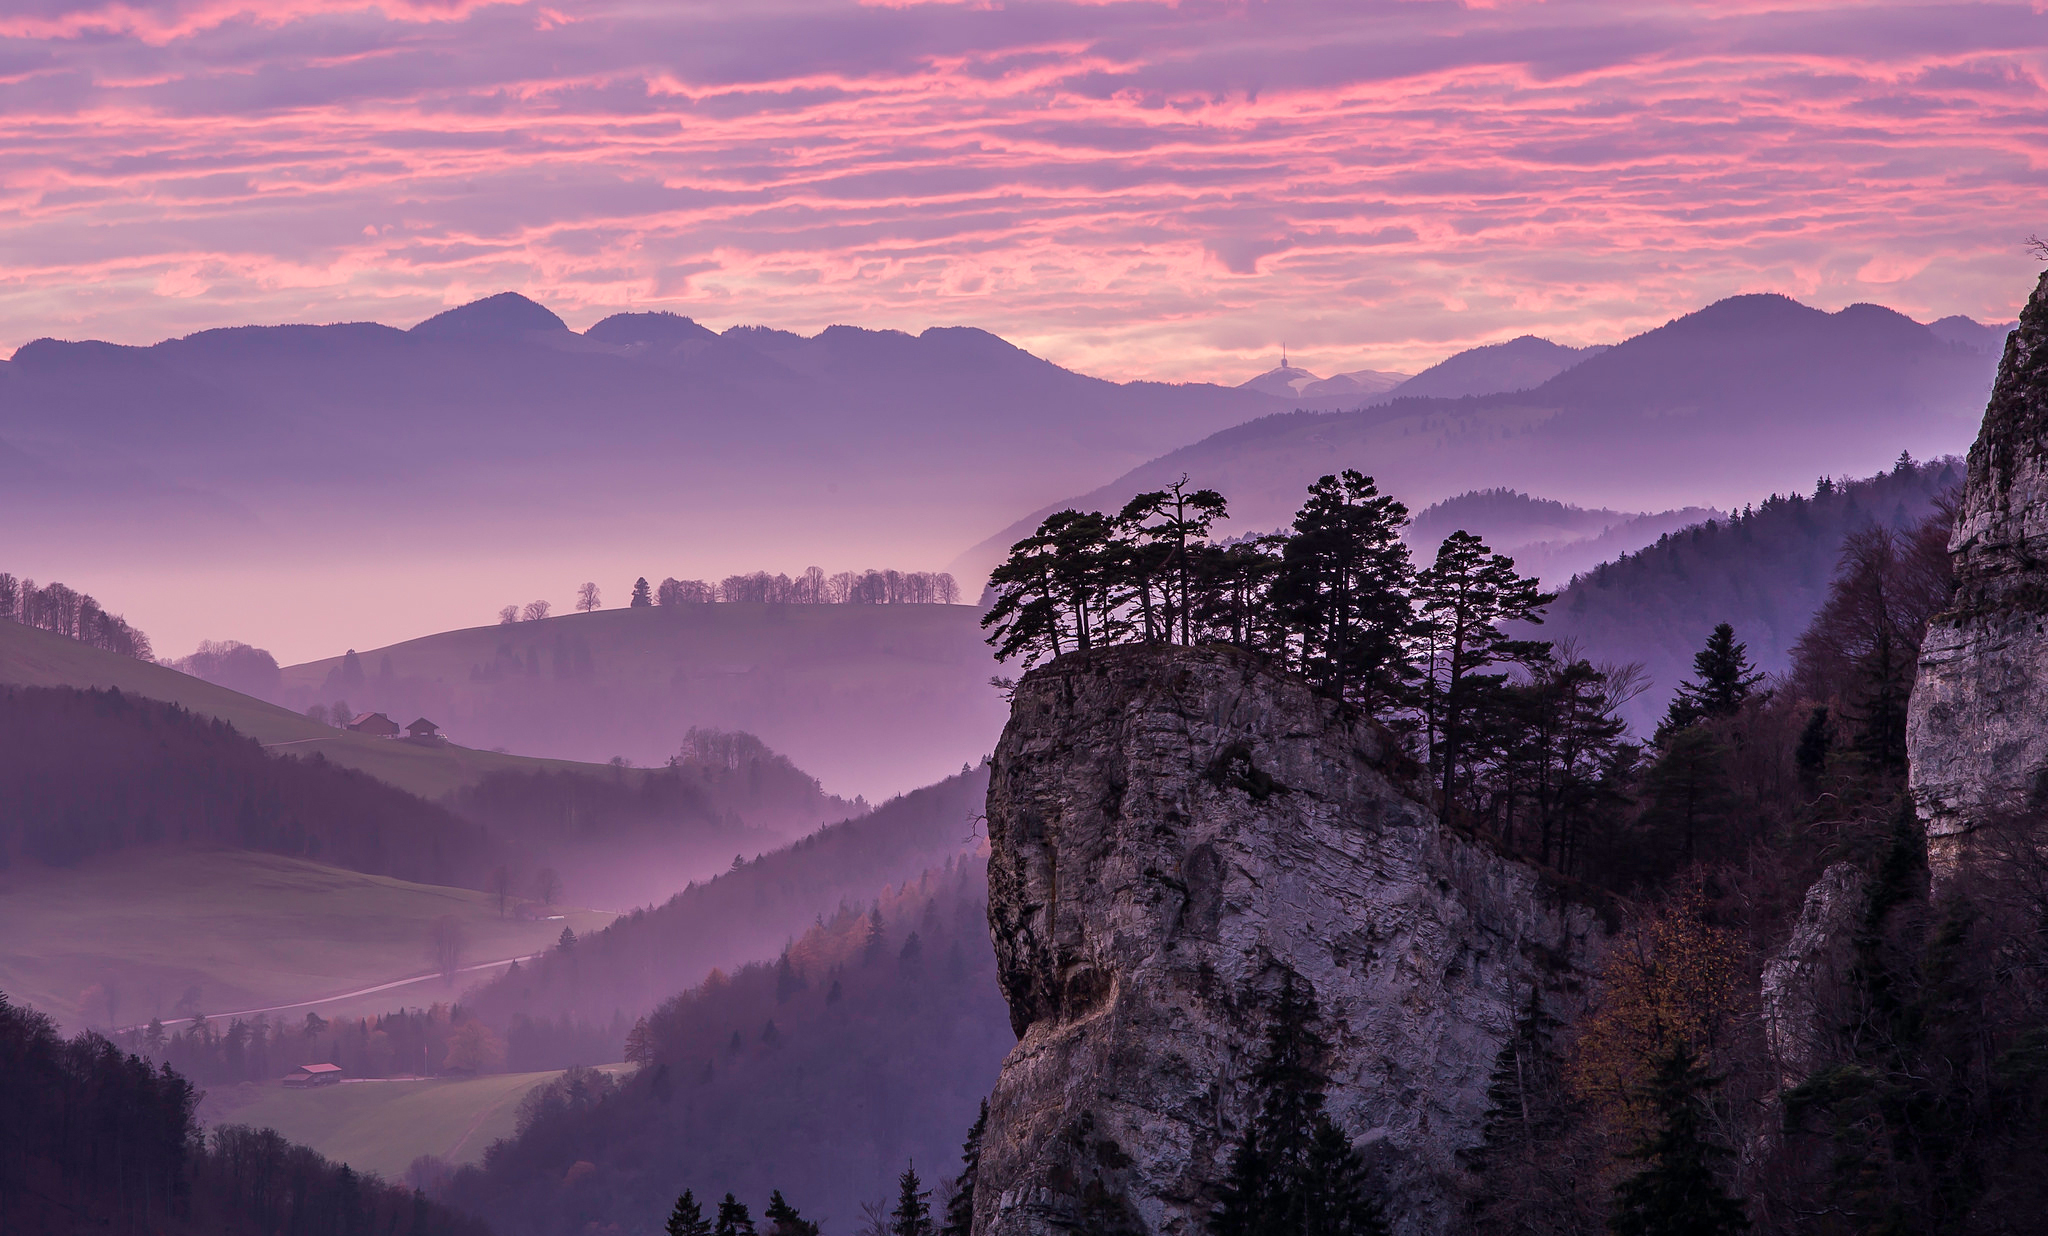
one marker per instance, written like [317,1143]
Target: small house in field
[375,724]
[424,730]
[307,1076]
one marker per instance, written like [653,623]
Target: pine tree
[1295,1172]
[733,1219]
[687,1219]
[1722,680]
[783,1219]
[642,598]
[1676,1193]
[1342,588]
[913,1213]
[1689,795]
[1516,1179]
[1810,757]
[960,1206]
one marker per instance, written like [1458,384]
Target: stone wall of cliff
[1977,731]
[1173,828]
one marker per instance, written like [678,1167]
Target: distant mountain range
[1750,395]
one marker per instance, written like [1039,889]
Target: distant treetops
[812,587]
[74,615]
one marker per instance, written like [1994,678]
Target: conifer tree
[642,597]
[913,1213]
[1810,757]
[1342,588]
[687,1219]
[783,1219]
[733,1219]
[1516,1179]
[1689,795]
[1295,1171]
[960,1206]
[1722,680]
[1675,1192]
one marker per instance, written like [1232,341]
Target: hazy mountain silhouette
[1550,540]
[1749,395]
[1515,365]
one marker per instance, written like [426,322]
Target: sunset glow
[1132,189]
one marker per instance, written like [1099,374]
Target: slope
[33,658]
[1749,395]
[872,699]
[1765,571]
[167,933]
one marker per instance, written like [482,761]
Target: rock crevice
[1172,830]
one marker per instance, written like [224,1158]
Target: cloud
[1138,189]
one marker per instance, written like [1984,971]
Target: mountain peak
[508,315]
[1285,381]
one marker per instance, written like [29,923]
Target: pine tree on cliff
[1722,680]
[960,1206]
[1342,589]
[1676,1192]
[1295,1172]
[687,1219]
[913,1213]
[733,1219]
[783,1219]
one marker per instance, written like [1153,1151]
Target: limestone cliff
[1169,828]
[1977,731]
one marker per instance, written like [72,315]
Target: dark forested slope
[88,772]
[747,913]
[1765,571]
[865,1046]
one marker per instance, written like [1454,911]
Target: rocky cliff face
[1978,727]
[1171,830]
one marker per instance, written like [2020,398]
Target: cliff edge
[1977,728]
[1174,829]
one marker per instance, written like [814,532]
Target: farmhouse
[424,730]
[309,1075]
[375,723]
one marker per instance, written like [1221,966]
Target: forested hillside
[89,772]
[571,1006]
[1765,571]
[95,1140]
[866,1045]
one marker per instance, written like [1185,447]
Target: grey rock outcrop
[1977,729]
[1169,829]
[1812,963]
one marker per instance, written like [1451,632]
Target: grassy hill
[33,658]
[381,1126]
[246,929]
[871,699]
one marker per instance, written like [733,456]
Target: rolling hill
[871,699]
[33,658]
[1750,395]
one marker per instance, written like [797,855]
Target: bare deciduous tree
[547,886]
[534,611]
[508,615]
[586,599]
[444,945]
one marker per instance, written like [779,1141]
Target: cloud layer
[1134,189]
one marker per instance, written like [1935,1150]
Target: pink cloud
[1138,189]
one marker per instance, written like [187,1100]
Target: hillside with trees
[864,1047]
[873,699]
[92,1139]
[73,615]
[1765,570]
[573,1005]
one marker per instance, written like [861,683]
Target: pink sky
[1132,189]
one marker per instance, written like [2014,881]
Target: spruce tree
[687,1219]
[1690,797]
[913,1213]
[1295,1172]
[1722,680]
[1342,589]
[960,1206]
[642,598]
[733,1219]
[1676,1193]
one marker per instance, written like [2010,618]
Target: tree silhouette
[1722,679]
[642,598]
[913,1213]
[587,599]
[1675,1192]
[783,1219]
[733,1219]
[960,1206]
[687,1219]
[1342,588]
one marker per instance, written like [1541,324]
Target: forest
[92,1138]
[91,772]
[74,615]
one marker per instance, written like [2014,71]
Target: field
[382,1126]
[33,658]
[870,699]
[118,940]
